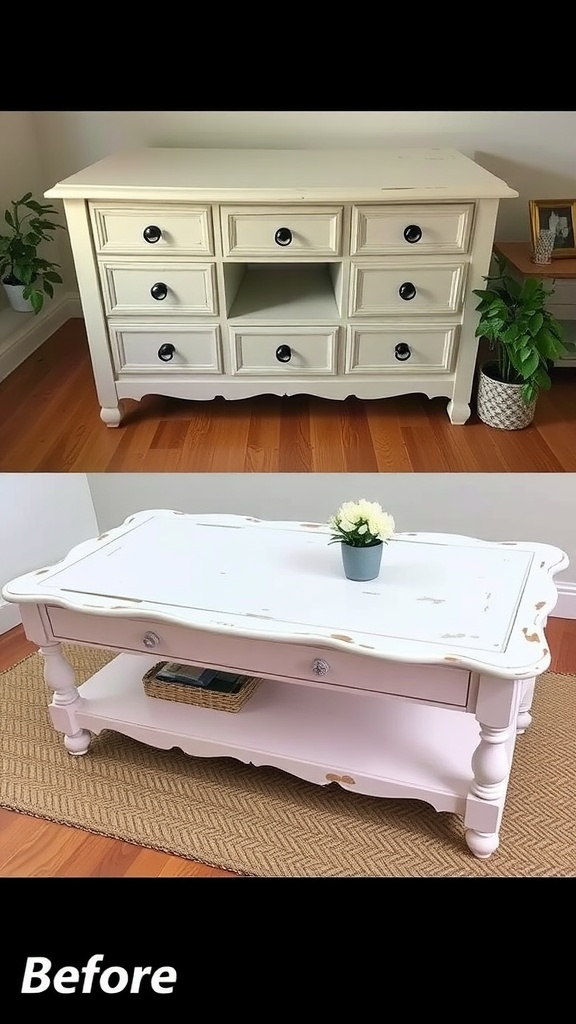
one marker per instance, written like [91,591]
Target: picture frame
[559,214]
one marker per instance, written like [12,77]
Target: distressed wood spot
[342,636]
[346,779]
[313,526]
[374,593]
[545,652]
[451,657]
[367,646]
[255,615]
[532,638]
[539,605]
[433,600]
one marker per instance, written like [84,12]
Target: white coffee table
[414,685]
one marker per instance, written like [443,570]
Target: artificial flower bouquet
[361,524]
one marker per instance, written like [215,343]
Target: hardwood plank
[32,847]
[50,422]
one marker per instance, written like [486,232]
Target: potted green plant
[361,528]
[27,277]
[525,338]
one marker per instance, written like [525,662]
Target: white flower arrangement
[361,524]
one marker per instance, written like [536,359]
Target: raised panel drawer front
[407,289]
[282,231]
[387,229]
[289,351]
[172,349]
[302,663]
[159,288]
[152,230]
[373,349]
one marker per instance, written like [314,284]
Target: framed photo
[559,216]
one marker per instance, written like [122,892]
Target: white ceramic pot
[501,405]
[14,293]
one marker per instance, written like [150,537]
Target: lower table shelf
[372,744]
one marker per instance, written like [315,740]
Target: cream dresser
[233,273]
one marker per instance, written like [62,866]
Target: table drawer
[425,228]
[407,289]
[170,349]
[282,231]
[159,288]
[150,230]
[373,349]
[299,662]
[284,350]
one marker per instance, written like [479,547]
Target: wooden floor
[50,422]
[31,847]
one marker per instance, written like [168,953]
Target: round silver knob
[320,667]
[150,640]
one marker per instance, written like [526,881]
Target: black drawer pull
[402,351]
[152,234]
[413,233]
[166,352]
[407,291]
[283,353]
[159,291]
[283,236]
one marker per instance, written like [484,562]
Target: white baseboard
[22,333]
[566,607]
[9,616]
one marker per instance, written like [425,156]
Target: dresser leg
[111,416]
[524,717]
[491,768]
[459,412]
[59,676]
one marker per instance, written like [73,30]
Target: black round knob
[283,353]
[166,352]
[407,291]
[159,291]
[402,351]
[152,234]
[283,236]
[413,233]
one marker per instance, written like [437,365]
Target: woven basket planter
[233,702]
[501,405]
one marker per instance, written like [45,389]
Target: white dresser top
[295,175]
[439,598]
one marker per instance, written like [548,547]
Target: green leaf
[535,323]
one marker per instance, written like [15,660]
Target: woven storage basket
[501,405]
[183,694]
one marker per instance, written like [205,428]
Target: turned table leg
[497,711]
[524,717]
[59,676]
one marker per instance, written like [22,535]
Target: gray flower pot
[501,405]
[362,564]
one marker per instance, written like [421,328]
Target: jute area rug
[262,822]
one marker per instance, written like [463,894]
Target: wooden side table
[560,274]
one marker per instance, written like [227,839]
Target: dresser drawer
[374,349]
[284,351]
[407,289]
[152,230]
[159,289]
[430,229]
[146,348]
[282,231]
[436,683]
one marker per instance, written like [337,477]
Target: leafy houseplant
[30,223]
[525,337]
[361,528]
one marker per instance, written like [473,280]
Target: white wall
[521,506]
[534,151]
[42,515]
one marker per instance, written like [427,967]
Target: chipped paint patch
[451,657]
[313,526]
[433,600]
[367,646]
[375,593]
[251,519]
[41,572]
[346,779]
[539,605]
[544,652]
[342,636]
[532,638]
[255,615]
